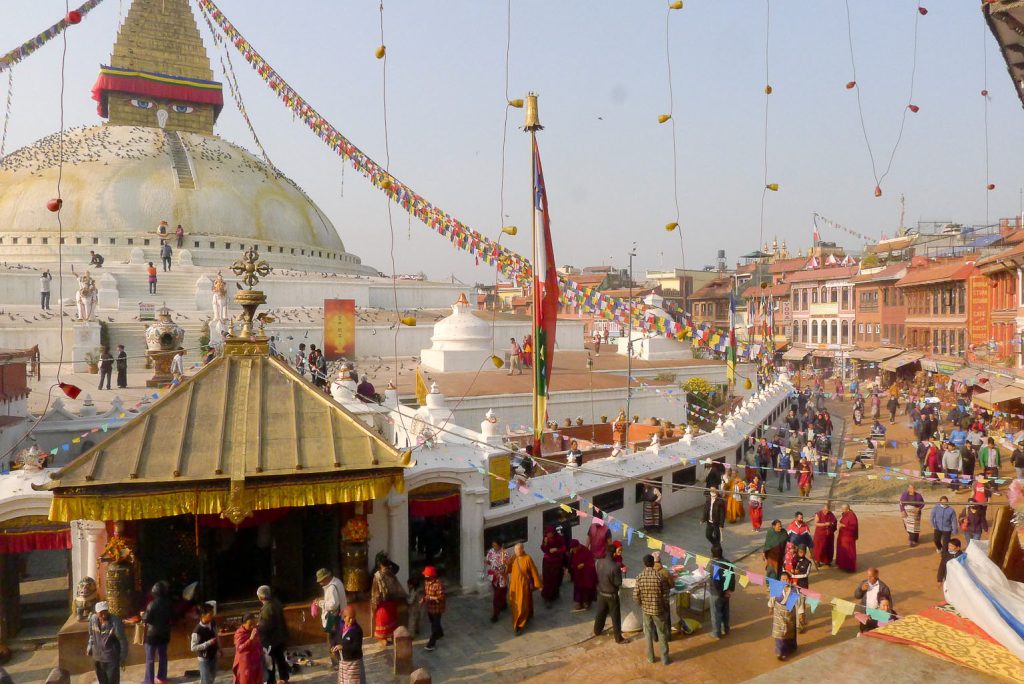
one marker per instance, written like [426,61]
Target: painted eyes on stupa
[142,104]
[182,109]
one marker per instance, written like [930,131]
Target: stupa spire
[159,73]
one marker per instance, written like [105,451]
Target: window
[846,298]
[512,532]
[834,330]
[555,516]
[814,331]
[878,328]
[834,295]
[845,339]
[803,331]
[860,329]
[609,501]
[814,296]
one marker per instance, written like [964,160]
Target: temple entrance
[35,587]
[435,529]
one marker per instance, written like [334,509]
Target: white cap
[101,606]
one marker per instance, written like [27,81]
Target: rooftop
[890,272]
[778,290]
[716,289]
[818,274]
[952,270]
[787,265]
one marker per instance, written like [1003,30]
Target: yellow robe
[520,593]
[734,503]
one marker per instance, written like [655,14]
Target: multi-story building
[677,285]
[881,309]
[710,304]
[936,299]
[823,313]
[996,309]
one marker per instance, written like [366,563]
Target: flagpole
[533,125]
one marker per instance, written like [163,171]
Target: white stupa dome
[461,342]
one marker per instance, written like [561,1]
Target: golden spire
[532,115]
[249,269]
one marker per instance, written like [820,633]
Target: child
[204,644]
[415,598]
[434,600]
[952,552]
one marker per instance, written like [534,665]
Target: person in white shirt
[178,365]
[44,290]
[331,605]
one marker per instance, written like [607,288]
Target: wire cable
[7,111]
[672,121]
[767,97]
[984,62]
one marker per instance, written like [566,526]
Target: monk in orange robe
[522,582]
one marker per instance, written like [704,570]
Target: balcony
[824,309]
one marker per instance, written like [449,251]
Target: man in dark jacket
[713,517]
[122,367]
[106,366]
[871,592]
[158,633]
[273,633]
[107,645]
[609,579]
[723,582]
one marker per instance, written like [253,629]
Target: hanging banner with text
[339,329]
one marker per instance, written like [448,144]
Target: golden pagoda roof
[245,432]
[161,36]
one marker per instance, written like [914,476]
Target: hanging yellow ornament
[518,104]
[509,230]
[767,90]
[678,4]
[409,321]
[671,226]
[774,187]
[664,117]
[385,184]
[747,384]
[381,51]
[498,363]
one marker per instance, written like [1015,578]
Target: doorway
[435,527]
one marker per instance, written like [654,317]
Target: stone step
[179,158]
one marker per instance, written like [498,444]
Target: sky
[600,69]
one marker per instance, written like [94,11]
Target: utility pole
[629,346]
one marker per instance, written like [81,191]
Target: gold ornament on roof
[250,268]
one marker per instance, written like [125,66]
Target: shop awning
[998,396]
[796,354]
[906,358]
[880,354]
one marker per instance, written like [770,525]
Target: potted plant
[92,360]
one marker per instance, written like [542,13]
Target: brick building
[937,308]
[823,312]
[881,309]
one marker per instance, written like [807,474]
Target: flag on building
[545,301]
[421,388]
[817,235]
[730,353]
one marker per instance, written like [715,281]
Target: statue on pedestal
[85,298]
[220,298]
[86,597]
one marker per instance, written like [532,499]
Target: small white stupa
[461,342]
[654,346]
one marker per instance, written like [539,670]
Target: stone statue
[220,298]
[85,298]
[86,596]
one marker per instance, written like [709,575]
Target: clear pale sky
[601,72]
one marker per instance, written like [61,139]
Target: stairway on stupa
[176,289]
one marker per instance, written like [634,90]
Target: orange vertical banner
[339,329]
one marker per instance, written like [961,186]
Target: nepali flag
[545,301]
[730,353]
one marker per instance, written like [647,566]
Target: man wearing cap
[331,605]
[273,633]
[107,644]
[434,600]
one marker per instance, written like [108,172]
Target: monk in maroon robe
[584,576]
[553,564]
[846,549]
[824,536]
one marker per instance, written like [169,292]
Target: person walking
[609,581]
[893,405]
[951,552]
[973,520]
[157,618]
[178,365]
[583,571]
[385,594]
[151,276]
[651,594]
[723,583]
[944,524]
[514,354]
[911,507]
[204,644]
[273,631]
[247,667]
[782,608]
[757,493]
[165,254]
[1017,459]
[179,233]
[523,581]
[107,644]
[121,364]
[774,549]
[330,606]
[785,464]
[846,540]
[713,517]
[498,562]
[824,536]
[349,650]
[106,366]
[989,460]
[44,290]
[552,564]
[434,601]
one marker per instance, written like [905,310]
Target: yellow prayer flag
[702,560]
[421,388]
[567,508]
[653,543]
[743,579]
[837,621]
[76,440]
[843,606]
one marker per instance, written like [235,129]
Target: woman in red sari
[846,548]
[247,667]
[757,494]
[383,601]
[553,564]
[584,576]
[824,537]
